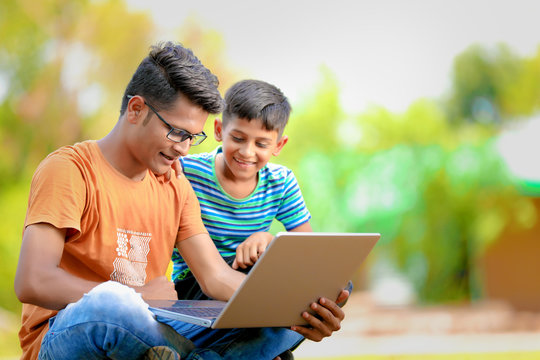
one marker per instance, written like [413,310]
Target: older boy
[101,226]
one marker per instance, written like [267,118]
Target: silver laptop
[296,269]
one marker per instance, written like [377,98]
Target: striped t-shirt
[230,221]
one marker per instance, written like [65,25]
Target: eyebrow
[258,137]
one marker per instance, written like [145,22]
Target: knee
[112,291]
[112,300]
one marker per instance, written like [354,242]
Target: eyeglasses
[175,134]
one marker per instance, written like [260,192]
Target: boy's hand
[175,168]
[248,252]
[328,319]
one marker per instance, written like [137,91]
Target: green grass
[467,356]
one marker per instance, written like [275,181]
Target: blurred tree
[65,74]
[487,84]
[63,68]
[522,95]
[393,192]
[59,61]
[436,190]
[27,123]
[314,140]
[313,126]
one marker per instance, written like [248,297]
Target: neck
[234,187]
[116,151]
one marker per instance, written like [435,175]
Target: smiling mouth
[245,163]
[168,157]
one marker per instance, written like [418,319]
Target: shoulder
[201,160]
[169,191]
[199,167]
[72,157]
[276,172]
[61,178]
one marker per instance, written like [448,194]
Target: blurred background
[417,120]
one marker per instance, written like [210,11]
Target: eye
[262,145]
[181,134]
[236,138]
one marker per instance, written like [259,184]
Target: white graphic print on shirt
[131,261]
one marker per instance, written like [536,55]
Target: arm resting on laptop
[217,279]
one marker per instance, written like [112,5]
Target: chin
[160,170]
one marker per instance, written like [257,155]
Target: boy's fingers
[316,331]
[329,311]
[239,260]
[253,255]
[248,253]
[242,259]
[342,296]
[261,249]
[328,320]
[177,168]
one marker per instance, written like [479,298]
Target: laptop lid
[295,270]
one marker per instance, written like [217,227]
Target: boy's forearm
[216,278]
[223,285]
[39,280]
[52,290]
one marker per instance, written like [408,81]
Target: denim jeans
[113,322]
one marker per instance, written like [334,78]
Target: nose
[182,148]
[247,149]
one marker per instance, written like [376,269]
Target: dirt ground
[487,326]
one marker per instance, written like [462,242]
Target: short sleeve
[190,220]
[293,211]
[57,194]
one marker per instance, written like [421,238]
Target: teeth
[244,162]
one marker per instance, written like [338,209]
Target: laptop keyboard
[200,312]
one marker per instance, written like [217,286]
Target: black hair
[170,69]
[256,99]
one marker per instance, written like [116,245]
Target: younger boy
[239,191]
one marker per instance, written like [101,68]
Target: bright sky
[386,52]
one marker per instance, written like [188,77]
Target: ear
[134,110]
[218,130]
[280,144]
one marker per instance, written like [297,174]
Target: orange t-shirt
[117,228]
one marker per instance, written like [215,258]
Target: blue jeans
[113,322]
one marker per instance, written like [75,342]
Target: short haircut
[170,69]
[255,99]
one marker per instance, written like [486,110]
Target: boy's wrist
[269,237]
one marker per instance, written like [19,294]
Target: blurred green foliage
[65,65]
[428,179]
